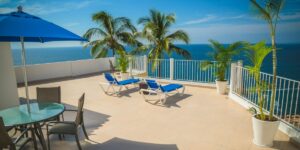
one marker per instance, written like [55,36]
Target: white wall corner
[8,87]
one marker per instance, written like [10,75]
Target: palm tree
[111,34]
[270,13]
[161,41]
[223,56]
[256,54]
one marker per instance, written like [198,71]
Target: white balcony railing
[287,103]
[177,69]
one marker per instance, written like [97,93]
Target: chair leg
[164,99]
[77,141]
[84,131]
[62,117]
[33,138]
[120,89]
[48,141]
[11,147]
[182,93]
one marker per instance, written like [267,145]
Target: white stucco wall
[8,86]
[63,69]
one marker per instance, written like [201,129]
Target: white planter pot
[124,76]
[221,87]
[264,132]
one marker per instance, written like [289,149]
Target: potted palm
[122,64]
[264,128]
[222,55]
[269,12]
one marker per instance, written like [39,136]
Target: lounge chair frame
[114,88]
[162,95]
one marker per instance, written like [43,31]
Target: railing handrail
[270,74]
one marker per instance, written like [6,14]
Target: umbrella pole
[25,73]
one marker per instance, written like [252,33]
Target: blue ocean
[288,57]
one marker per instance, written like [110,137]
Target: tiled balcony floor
[200,120]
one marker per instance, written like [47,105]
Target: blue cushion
[110,78]
[170,87]
[152,84]
[129,81]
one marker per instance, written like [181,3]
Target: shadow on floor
[126,92]
[92,120]
[284,145]
[123,144]
[170,102]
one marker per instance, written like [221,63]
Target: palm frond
[99,51]
[216,45]
[180,51]
[94,32]
[179,35]
[260,11]
[104,19]
[143,20]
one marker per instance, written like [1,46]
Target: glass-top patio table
[40,112]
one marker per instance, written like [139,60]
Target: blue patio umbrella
[23,27]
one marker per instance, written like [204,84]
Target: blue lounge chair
[163,91]
[114,82]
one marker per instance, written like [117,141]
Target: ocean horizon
[288,57]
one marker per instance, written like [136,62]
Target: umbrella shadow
[122,144]
[127,92]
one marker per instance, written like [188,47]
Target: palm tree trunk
[159,69]
[274,58]
[260,96]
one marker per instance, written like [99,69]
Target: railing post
[130,65]
[171,68]
[239,77]
[146,65]
[232,77]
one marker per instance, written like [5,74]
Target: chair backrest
[152,84]
[79,115]
[5,139]
[110,78]
[162,88]
[112,67]
[48,94]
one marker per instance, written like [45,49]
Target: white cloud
[236,17]
[49,8]
[83,4]
[4,1]
[207,18]
[22,1]
[210,18]
[72,24]
[7,10]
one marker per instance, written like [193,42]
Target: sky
[224,20]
